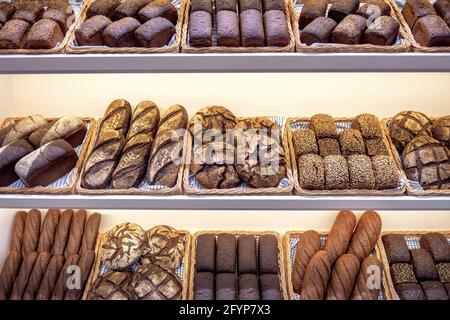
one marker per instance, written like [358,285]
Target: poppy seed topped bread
[351,142]
[415,9]
[129,8]
[375,8]
[318,31]
[402,273]
[155,33]
[252,29]
[276,28]
[44,34]
[368,124]
[201,5]
[6,11]
[432,31]
[90,33]
[228,28]
[13,34]
[311,10]
[159,8]
[341,8]
[200,29]
[349,30]
[121,33]
[229,5]
[103,8]
[250,4]
[382,32]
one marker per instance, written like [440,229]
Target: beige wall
[6,96]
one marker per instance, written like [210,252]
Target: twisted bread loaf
[307,247]
[340,234]
[343,277]
[314,284]
[366,235]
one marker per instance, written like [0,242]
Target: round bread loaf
[441,129]
[336,172]
[311,172]
[304,142]
[406,125]
[151,282]
[351,142]
[217,118]
[163,246]
[385,172]
[426,161]
[360,172]
[122,246]
[113,285]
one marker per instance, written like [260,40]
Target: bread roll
[366,235]
[17,231]
[117,117]
[23,276]
[50,277]
[39,268]
[9,156]
[340,235]
[368,283]
[23,128]
[9,272]
[343,277]
[314,284]
[76,233]
[62,233]
[90,233]
[31,232]
[307,247]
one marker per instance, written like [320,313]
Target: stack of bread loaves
[128,23]
[33,24]
[37,151]
[344,267]
[41,260]
[129,145]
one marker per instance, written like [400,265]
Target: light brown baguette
[17,231]
[76,233]
[49,226]
[307,247]
[23,276]
[62,232]
[50,277]
[370,274]
[314,284]
[85,263]
[90,233]
[340,234]
[366,235]
[61,284]
[34,282]
[9,272]
[117,117]
[145,120]
[31,232]
[343,277]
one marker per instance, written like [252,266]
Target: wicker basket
[73,48]
[403,42]
[191,186]
[346,192]
[412,242]
[182,272]
[289,252]
[398,6]
[281,261]
[412,188]
[77,8]
[144,188]
[185,47]
[64,185]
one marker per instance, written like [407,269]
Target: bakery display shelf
[225,62]
[184,202]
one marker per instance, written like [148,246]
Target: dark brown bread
[145,119]
[29,11]
[39,268]
[49,226]
[268,254]
[155,33]
[23,276]
[103,8]
[85,264]
[205,255]
[57,11]
[31,232]
[9,272]
[341,8]
[76,233]
[307,247]
[415,9]
[17,231]
[47,164]
[247,256]
[343,277]
[129,8]
[159,8]
[396,248]
[13,34]
[201,5]
[62,232]
[90,33]
[226,253]
[22,128]
[437,245]
[318,31]
[250,4]
[121,33]
[351,142]
[36,136]
[431,31]
[311,172]
[442,8]
[311,10]
[374,8]
[370,273]
[252,28]
[383,31]
[228,29]
[349,30]
[323,126]
[366,235]
[318,271]
[340,235]
[273,5]
[406,125]
[102,161]
[117,117]
[61,284]
[71,129]
[6,11]
[90,233]
[226,5]
[440,129]
[200,29]
[276,28]
[50,277]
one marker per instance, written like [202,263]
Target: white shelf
[183,202]
[255,62]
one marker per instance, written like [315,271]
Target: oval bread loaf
[366,235]
[314,285]
[340,234]
[368,282]
[307,247]
[343,277]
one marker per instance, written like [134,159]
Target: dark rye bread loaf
[216,118]
[349,30]
[57,11]
[201,5]
[343,277]
[36,136]
[226,253]
[121,33]
[155,33]
[164,162]
[415,9]
[273,5]
[29,11]
[85,264]
[9,156]
[61,283]
[252,28]
[315,280]
[23,276]
[159,8]
[248,287]
[247,256]
[103,160]
[437,245]
[311,10]
[48,231]
[62,232]
[10,269]
[117,117]
[228,29]
[50,277]
[226,286]
[442,8]
[90,233]
[366,235]
[205,255]
[375,8]
[47,164]
[23,127]
[76,233]
[370,267]
[204,286]
[200,29]
[90,32]
[341,8]
[13,34]
[318,31]
[340,235]
[39,268]
[229,5]
[6,11]
[250,4]
[31,232]
[431,31]
[307,247]
[129,8]
[102,8]
[383,31]
[276,28]
[17,231]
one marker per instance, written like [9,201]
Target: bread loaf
[17,232]
[340,235]
[159,8]
[312,10]
[39,268]
[441,130]
[314,284]
[200,29]
[31,232]
[407,125]
[103,160]
[102,7]
[368,282]
[90,233]
[342,8]
[307,247]
[49,226]
[57,11]
[23,128]
[76,233]
[62,232]
[349,30]
[155,33]
[276,28]
[85,263]
[117,117]
[383,31]
[366,235]
[71,129]
[228,28]
[9,156]
[13,34]
[23,276]
[318,31]
[9,272]
[145,120]
[431,31]
[90,32]
[374,8]
[121,33]
[217,118]
[29,11]
[44,34]
[50,277]
[47,164]
[61,283]
[415,9]
[6,11]
[252,28]
[442,8]
[129,8]
[343,277]
[36,136]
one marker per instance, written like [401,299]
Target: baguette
[49,226]
[76,233]
[36,275]
[174,118]
[31,232]
[117,117]
[90,233]
[314,284]
[85,263]
[307,247]
[23,276]
[366,235]
[370,275]
[62,233]
[61,283]
[103,160]
[343,277]
[145,120]
[17,231]
[9,272]
[9,156]
[22,128]
[340,234]
[50,277]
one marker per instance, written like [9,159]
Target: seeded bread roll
[85,264]
[200,29]
[276,28]
[369,267]
[340,235]
[13,34]
[250,4]
[307,247]
[155,33]
[201,5]
[49,226]
[9,272]
[29,11]
[431,31]
[396,248]
[50,277]
[342,8]
[437,245]
[31,232]
[383,31]
[402,273]
[36,275]
[121,33]
[228,29]
[351,142]
[360,172]
[368,125]
[273,5]
[343,277]
[375,147]
[311,172]
[76,233]
[323,125]
[366,235]
[304,142]
[6,11]
[23,276]
[312,10]
[385,172]
[375,8]
[102,8]
[247,257]
[328,147]
[252,28]
[90,33]
[349,30]
[129,8]
[62,232]
[336,172]
[159,8]
[9,156]
[22,128]
[17,231]
[57,11]
[61,283]
[90,233]
[318,271]
[415,9]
